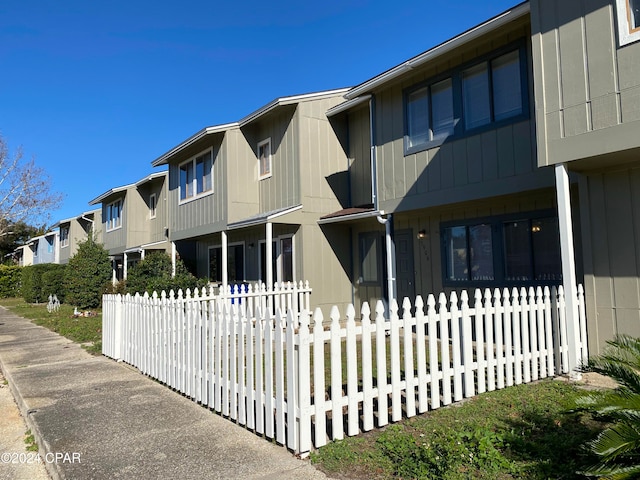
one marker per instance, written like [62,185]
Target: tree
[618,446]
[25,190]
[87,275]
[154,274]
[17,234]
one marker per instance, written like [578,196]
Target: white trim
[151,177]
[626,34]
[277,275]
[153,211]
[68,229]
[270,160]
[354,216]
[165,157]
[110,192]
[195,195]
[347,105]
[108,221]
[262,220]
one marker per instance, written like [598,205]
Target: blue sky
[95,91]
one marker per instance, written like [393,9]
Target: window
[370,258]
[50,244]
[628,13]
[113,215]
[282,262]
[481,94]
[430,113]
[152,205]
[235,263]
[196,176]
[503,250]
[492,91]
[264,158]
[64,237]
[286,259]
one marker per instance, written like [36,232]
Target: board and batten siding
[115,241]
[136,221]
[205,214]
[241,170]
[610,202]
[587,88]
[360,156]
[496,161]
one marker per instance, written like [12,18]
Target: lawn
[84,330]
[521,432]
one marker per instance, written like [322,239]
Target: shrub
[53,282]
[87,275]
[618,446]
[32,287]
[154,274]
[10,281]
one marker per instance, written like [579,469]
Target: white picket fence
[303,381]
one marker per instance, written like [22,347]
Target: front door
[405,274]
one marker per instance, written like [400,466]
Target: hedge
[10,281]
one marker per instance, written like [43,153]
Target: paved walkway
[94,418]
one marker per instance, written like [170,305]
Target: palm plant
[618,446]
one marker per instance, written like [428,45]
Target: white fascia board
[344,106]
[282,101]
[62,222]
[354,216]
[430,55]
[110,192]
[262,220]
[164,158]
[151,177]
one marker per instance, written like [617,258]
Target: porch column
[225,258]
[569,279]
[114,271]
[142,253]
[124,265]
[173,259]
[391,263]
[269,254]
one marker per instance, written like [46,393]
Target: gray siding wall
[157,225]
[202,215]
[360,157]
[496,162]
[587,88]
[241,173]
[610,203]
[136,221]
[282,189]
[115,240]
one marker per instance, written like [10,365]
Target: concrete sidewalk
[94,418]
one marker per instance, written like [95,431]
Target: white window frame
[277,252]
[153,205]
[64,237]
[269,171]
[193,193]
[111,222]
[626,32]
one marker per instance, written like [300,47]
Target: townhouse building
[75,230]
[244,198]
[134,221]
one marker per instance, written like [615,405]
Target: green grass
[84,330]
[521,432]
[30,442]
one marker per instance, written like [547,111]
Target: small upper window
[64,237]
[152,205]
[628,21]
[196,176]
[113,217]
[264,158]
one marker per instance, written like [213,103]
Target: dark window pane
[286,255]
[517,246]
[481,252]
[215,264]
[418,117]
[507,96]
[442,108]
[475,99]
[456,254]
[546,249]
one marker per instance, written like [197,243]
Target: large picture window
[503,250]
[113,215]
[475,96]
[196,176]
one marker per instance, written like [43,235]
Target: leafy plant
[10,281]
[88,274]
[618,446]
[154,274]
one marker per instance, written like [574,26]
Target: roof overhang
[165,158]
[462,39]
[350,215]
[349,104]
[282,101]
[109,193]
[151,177]
[263,218]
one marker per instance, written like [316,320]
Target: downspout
[391,257]
[372,137]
